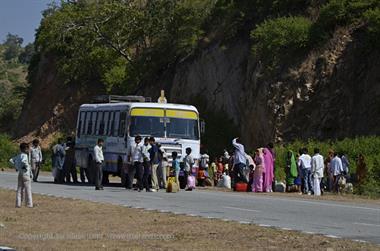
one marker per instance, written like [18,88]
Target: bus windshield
[147,126]
[182,128]
[158,122]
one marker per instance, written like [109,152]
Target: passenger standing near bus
[36,158]
[59,153]
[189,163]
[136,159]
[70,163]
[154,161]
[240,162]
[99,159]
[147,166]
[162,168]
[22,165]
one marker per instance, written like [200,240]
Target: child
[22,165]
[189,162]
[176,166]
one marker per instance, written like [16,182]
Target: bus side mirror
[203,127]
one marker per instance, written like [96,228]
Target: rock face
[332,92]
[51,106]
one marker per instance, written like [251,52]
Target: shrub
[7,150]
[340,13]
[368,146]
[276,39]
[372,18]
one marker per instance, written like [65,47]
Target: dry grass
[80,225]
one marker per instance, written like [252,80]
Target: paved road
[355,221]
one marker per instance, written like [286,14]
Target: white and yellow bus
[174,126]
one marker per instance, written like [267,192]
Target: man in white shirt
[336,167]
[22,165]
[304,162]
[147,165]
[36,158]
[317,168]
[99,160]
[135,159]
[240,162]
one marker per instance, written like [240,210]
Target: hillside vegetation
[14,61]
[126,43]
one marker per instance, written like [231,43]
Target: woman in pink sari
[268,177]
[257,185]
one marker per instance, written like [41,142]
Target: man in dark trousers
[99,159]
[70,163]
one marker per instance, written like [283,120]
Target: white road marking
[366,224]
[242,209]
[333,236]
[244,222]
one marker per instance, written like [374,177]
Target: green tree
[12,46]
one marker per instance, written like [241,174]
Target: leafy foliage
[120,42]
[276,39]
[7,149]
[12,80]
[12,46]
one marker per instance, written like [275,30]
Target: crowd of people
[155,169]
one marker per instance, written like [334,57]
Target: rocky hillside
[321,81]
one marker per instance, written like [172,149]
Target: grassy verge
[56,224]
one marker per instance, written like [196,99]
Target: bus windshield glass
[182,128]
[170,123]
[147,126]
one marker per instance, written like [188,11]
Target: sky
[21,17]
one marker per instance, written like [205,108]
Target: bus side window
[100,123]
[95,122]
[80,123]
[84,127]
[106,118]
[110,123]
[116,124]
[122,123]
[89,123]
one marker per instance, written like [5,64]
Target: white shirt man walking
[304,162]
[317,168]
[22,165]
[99,159]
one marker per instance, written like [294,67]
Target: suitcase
[241,187]
[191,182]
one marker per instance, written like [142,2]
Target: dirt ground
[67,224]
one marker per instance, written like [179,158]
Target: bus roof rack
[118,99]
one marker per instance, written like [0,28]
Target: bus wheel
[120,170]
